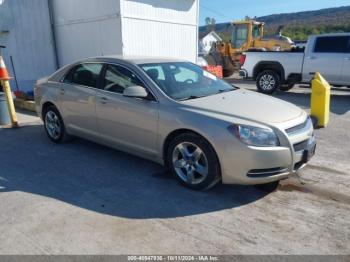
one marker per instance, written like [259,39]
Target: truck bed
[292,61]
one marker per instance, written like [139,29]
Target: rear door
[325,56]
[78,99]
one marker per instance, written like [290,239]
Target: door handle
[311,57]
[347,58]
[104,100]
[62,91]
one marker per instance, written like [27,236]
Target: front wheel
[268,82]
[193,162]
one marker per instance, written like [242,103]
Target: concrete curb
[25,105]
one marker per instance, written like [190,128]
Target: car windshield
[184,81]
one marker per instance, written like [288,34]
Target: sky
[230,10]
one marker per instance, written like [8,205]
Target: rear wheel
[216,59]
[286,87]
[268,82]
[54,125]
[193,162]
[229,66]
[210,60]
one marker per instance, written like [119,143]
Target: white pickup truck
[328,54]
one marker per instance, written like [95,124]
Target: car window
[185,80]
[118,78]
[239,35]
[84,74]
[256,31]
[332,44]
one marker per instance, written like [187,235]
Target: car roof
[132,59]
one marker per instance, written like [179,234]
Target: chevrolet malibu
[176,114]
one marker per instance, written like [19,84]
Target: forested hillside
[300,25]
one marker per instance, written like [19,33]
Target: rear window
[84,74]
[332,44]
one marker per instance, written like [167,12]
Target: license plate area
[310,150]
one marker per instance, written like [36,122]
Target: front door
[128,123]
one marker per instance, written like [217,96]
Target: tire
[216,59]
[228,67]
[268,82]
[54,125]
[193,162]
[286,87]
[210,60]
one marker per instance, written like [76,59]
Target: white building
[25,30]
[130,27]
[76,29]
[208,41]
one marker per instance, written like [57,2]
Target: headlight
[255,136]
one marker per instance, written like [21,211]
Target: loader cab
[243,33]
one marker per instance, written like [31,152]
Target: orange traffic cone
[4,75]
[4,78]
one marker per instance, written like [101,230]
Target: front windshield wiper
[225,90]
[195,97]
[190,98]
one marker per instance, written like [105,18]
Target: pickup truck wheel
[286,87]
[268,82]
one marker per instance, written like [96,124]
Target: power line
[214,11]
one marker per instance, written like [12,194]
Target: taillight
[242,59]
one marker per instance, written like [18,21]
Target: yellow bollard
[4,78]
[320,100]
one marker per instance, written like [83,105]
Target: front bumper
[304,155]
[258,165]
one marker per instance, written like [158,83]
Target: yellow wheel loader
[246,35]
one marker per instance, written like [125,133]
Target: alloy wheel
[53,125]
[267,82]
[190,163]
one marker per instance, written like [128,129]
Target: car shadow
[104,180]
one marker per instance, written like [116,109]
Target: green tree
[210,23]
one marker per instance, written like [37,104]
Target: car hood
[247,105]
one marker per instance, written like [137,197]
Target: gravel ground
[83,198]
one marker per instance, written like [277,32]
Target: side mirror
[135,91]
